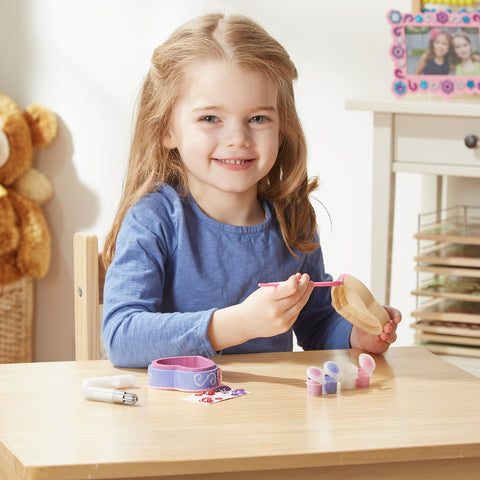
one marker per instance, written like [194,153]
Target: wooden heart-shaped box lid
[354,301]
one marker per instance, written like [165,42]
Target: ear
[43,124]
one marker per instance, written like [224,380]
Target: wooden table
[419,420]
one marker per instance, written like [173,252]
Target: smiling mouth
[233,161]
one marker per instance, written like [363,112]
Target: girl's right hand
[270,311]
[267,312]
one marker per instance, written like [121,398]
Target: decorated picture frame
[436,52]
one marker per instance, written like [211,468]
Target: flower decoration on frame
[435,52]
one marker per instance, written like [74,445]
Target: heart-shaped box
[188,374]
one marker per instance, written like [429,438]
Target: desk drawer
[436,140]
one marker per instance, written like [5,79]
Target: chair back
[89,277]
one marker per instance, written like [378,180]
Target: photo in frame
[436,52]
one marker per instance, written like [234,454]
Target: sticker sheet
[215,395]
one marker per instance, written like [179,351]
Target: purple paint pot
[332,377]
[330,385]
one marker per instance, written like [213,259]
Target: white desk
[417,134]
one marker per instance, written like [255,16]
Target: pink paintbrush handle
[335,283]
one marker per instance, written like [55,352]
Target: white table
[416,134]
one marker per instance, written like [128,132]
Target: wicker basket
[16,318]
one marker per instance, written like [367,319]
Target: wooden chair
[89,277]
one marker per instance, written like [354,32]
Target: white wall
[85,60]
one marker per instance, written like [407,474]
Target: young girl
[216,201]
[436,59]
[466,63]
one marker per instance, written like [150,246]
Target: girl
[436,59]
[216,201]
[465,62]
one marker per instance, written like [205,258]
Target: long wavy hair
[456,60]
[430,52]
[242,42]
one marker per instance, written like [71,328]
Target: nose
[236,134]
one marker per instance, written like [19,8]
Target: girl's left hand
[377,343]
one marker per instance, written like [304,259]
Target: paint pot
[332,378]
[315,380]
[330,385]
[367,366]
[348,375]
[314,388]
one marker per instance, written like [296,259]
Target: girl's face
[462,47]
[226,129]
[441,45]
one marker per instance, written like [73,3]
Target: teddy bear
[24,234]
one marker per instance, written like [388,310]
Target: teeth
[232,162]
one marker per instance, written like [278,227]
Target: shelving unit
[447,316]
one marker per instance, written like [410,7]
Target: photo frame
[436,52]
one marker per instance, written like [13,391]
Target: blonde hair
[455,58]
[241,41]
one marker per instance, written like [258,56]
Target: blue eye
[259,119]
[209,118]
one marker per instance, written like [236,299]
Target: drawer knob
[471,141]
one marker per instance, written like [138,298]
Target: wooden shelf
[451,349]
[448,281]
[453,339]
[451,254]
[448,311]
[451,232]
[451,271]
[446,328]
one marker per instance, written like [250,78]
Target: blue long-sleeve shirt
[174,266]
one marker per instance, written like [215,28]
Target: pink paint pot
[363,379]
[367,364]
[314,388]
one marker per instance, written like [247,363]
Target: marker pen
[102,394]
[112,381]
